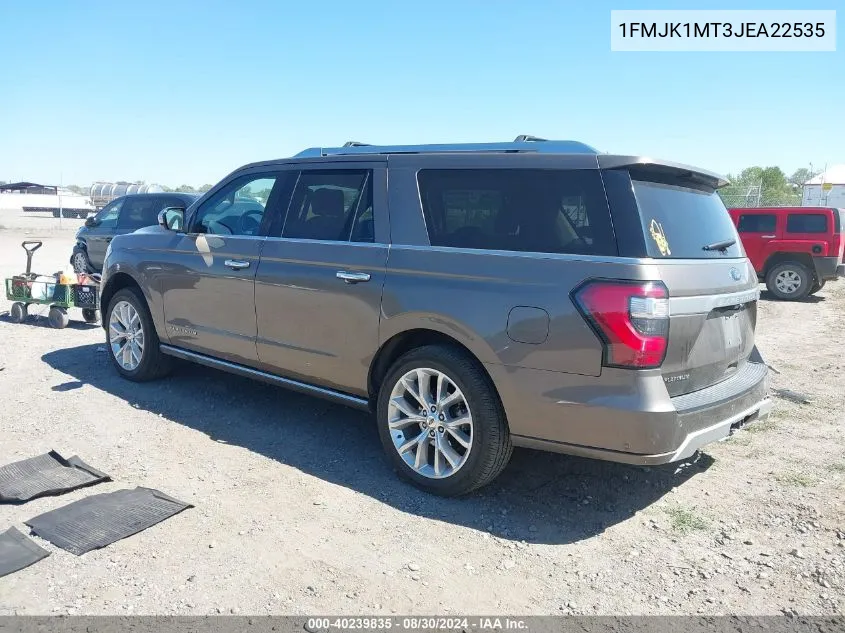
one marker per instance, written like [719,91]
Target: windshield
[680,222]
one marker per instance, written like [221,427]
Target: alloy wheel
[430,423]
[788,281]
[126,335]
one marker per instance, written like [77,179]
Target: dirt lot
[297,512]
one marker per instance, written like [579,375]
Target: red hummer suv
[795,250]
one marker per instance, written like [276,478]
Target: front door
[756,230]
[208,275]
[319,283]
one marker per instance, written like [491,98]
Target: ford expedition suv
[473,297]
[795,250]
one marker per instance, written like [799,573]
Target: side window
[806,223]
[545,211]
[757,223]
[331,205]
[138,212]
[108,215]
[238,208]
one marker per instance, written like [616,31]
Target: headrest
[327,202]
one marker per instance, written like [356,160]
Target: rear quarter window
[806,223]
[680,220]
[530,210]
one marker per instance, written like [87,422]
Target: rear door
[320,279]
[712,286]
[812,229]
[757,229]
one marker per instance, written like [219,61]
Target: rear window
[679,221]
[534,210]
[806,223]
[757,223]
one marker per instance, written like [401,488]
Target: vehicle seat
[327,222]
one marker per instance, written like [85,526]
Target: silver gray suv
[473,297]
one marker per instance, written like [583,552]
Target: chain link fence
[736,196]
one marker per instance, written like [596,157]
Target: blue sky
[182,92]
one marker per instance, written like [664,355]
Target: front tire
[441,422]
[817,285]
[80,262]
[789,281]
[132,339]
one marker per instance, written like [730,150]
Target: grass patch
[685,521]
[768,424]
[739,439]
[796,479]
[838,467]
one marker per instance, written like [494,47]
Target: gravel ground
[297,511]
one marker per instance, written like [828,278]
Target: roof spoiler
[655,166]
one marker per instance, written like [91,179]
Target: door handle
[353,278]
[768,237]
[236,264]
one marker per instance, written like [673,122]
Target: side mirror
[90,222]
[172,219]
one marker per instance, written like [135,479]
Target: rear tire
[58,318]
[151,364]
[18,313]
[489,447]
[789,281]
[89,315]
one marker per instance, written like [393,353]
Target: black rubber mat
[100,520]
[45,475]
[17,551]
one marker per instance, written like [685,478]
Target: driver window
[237,209]
[107,217]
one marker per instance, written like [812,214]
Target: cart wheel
[58,317]
[18,312]
[90,315]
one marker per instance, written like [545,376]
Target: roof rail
[530,144]
[523,138]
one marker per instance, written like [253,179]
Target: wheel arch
[403,342]
[118,281]
[782,257]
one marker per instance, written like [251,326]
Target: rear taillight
[631,318]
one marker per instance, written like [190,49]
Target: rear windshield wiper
[720,246]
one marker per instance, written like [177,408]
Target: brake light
[631,319]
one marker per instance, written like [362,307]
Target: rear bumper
[828,268]
[641,426]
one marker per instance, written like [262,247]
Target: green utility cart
[33,289]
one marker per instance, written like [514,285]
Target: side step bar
[249,372]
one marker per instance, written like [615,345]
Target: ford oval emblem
[735,274]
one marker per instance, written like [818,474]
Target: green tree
[802,175]
[764,186]
[186,189]
[204,188]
